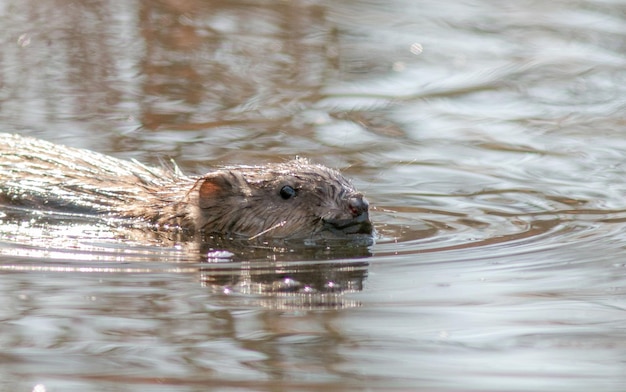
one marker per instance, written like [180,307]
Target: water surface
[489,138]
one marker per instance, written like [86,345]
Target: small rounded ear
[214,188]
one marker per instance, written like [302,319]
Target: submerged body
[295,199]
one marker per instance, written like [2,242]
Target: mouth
[358,225]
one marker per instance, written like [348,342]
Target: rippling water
[488,136]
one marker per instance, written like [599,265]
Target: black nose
[358,205]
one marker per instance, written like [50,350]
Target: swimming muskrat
[295,199]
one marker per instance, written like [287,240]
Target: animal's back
[40,174]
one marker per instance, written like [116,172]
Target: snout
[358,205]
[358,223]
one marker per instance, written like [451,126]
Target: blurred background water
[488,137]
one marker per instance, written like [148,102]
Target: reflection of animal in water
[290,285]
[295,199]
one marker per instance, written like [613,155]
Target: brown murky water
[489,136]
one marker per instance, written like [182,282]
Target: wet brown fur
[239,200]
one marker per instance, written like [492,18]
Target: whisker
[279,224]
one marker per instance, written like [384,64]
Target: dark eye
[287,192]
